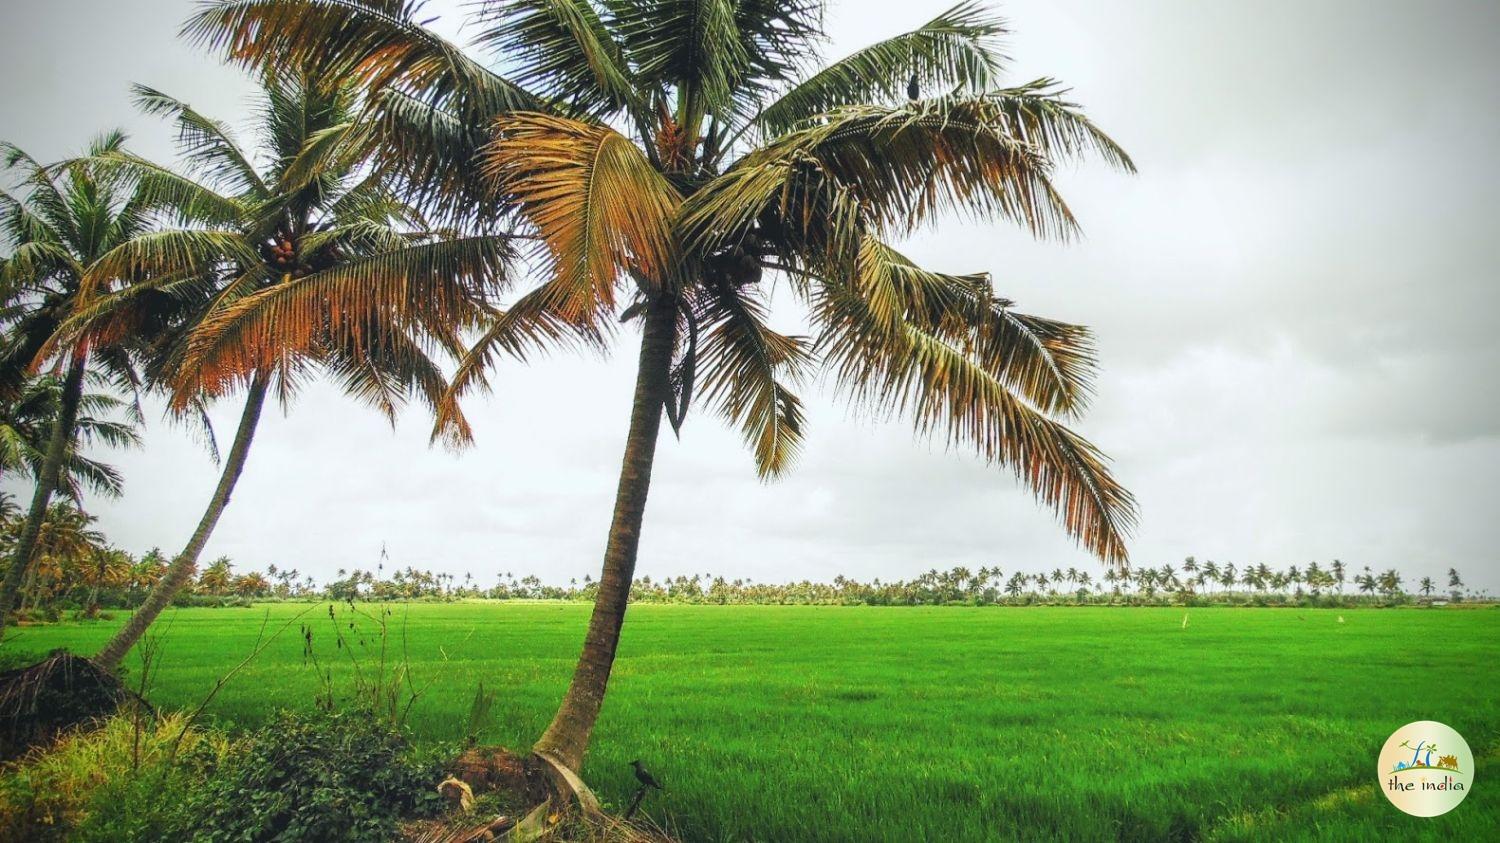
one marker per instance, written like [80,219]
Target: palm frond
[49,211]
[386,375]
[942,388]
[205,143]
[80,471]
[691,46]
[379,43]
[533,323]
[1037,114]
[1050,364]
[956,52]
[172,252]
[744,367]
[431,154]
[563,50]
[888,168]
[358,304]
[164,190]
[599,207]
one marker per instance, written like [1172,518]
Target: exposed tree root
[558,806]
[569,786]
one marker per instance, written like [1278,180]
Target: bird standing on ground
[644,776]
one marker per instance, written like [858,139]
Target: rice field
[948,723]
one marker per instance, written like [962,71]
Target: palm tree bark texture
[57,449]
[186,562]
[567,738]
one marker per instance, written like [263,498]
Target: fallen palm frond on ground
[41,700]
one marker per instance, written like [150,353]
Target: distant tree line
[78,571]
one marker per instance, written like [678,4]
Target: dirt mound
[488,769]
[55,694]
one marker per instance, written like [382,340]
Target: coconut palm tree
[216,578]
[26,426]
[57,225]
[669,156]
[307,242]
[66,545]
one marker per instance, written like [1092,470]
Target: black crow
[643,776]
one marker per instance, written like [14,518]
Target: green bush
[81,787]
[316,778]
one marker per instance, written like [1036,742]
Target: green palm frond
[206,144]
[537,321]
[170,252]
[80,472]
[938,385]
[49,212]
[1037,114]
[377,42]
[323,153]
[164,190]
[744,368]
[780,38]
[691,46]
[956,52]
[40,258]
[387,377]
[891,168]
[563,50]
[1051,364]
[431,153]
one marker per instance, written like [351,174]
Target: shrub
[317,778]
[55,789]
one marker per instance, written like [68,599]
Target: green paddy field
[946,723]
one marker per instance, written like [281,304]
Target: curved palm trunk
[47,480]
[182,567]
[567,739]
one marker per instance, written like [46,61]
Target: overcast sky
[1294,302]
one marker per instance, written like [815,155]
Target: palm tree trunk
[567,739]
[60,439]
[182,567]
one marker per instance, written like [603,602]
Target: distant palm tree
[1427,586]
[678,147]
[62,223]
[1390,582]
[269,266]
[217,577]
[67,542]
[26,428]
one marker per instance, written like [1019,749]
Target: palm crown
[269,266]
[243,288]
[664,155]
[26,426]
[59,224]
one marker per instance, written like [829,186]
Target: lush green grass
[822,723]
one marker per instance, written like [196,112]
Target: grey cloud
[1293,302]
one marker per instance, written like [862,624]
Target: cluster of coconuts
[739,264]
[282,252]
